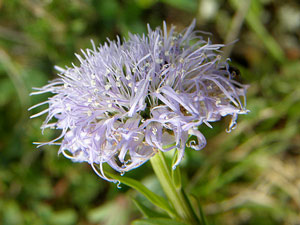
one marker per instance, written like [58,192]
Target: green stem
[176,197]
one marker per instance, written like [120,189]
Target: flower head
[127,100]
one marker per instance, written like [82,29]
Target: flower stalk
[176,196]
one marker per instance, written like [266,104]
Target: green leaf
[176,197]
[201,213]
[176,175]
[253,20]
[64,217]
[187,5]
[151,196]
[106,213]
[7,91]
[202,216]
[146,3]
[101,213]
[157,221]
[146,211]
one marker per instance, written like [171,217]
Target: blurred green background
[250,176]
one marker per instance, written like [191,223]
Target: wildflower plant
[131,100]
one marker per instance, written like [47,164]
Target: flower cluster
[129,99]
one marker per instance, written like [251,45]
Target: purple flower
[129,99]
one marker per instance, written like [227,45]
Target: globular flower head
[129,99]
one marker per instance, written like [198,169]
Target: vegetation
[248,177]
